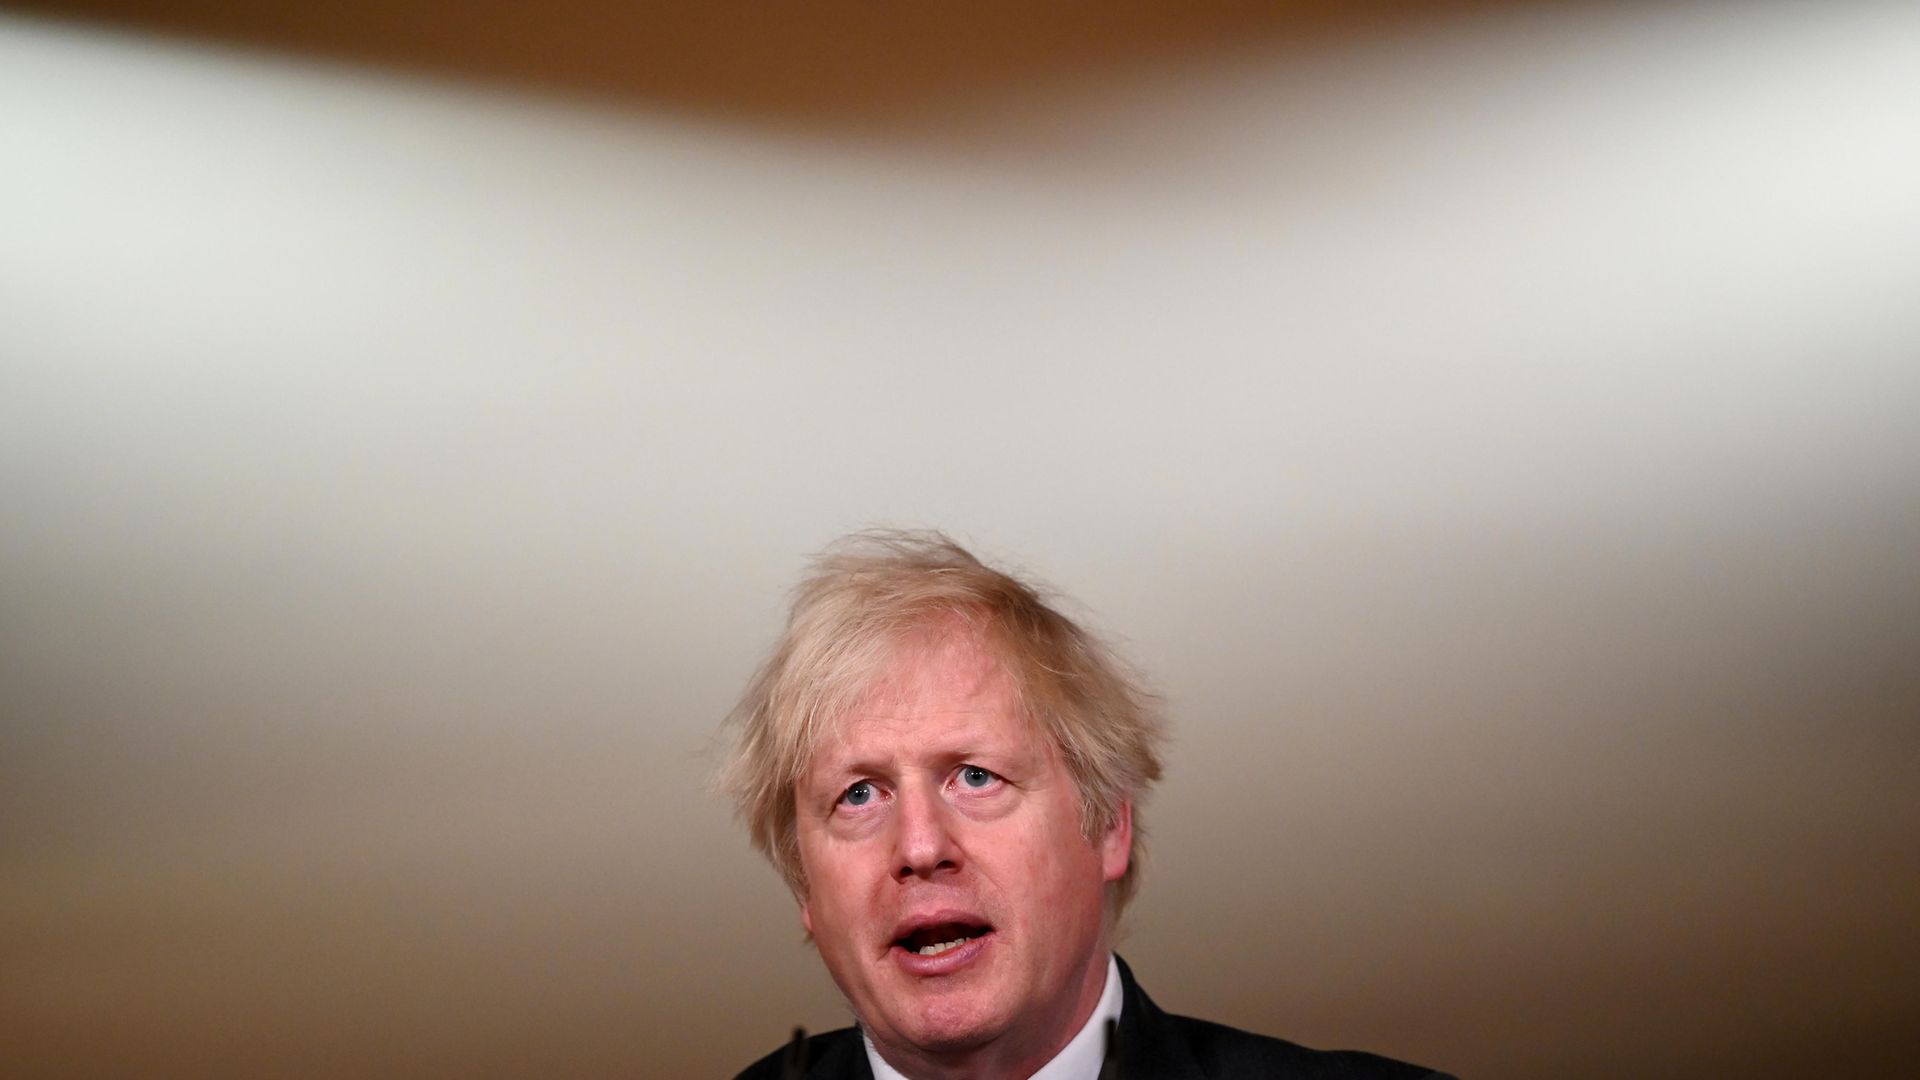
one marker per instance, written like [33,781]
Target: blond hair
[868,592]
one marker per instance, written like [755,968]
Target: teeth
[936,950]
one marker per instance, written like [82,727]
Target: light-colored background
[1497,432]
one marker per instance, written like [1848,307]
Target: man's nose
[924,842]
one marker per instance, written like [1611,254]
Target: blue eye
[859,794]
[975,777]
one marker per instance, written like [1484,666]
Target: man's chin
[951,1025]
[937,1041]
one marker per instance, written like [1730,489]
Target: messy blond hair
[864,596]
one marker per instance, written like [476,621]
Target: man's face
[949,888]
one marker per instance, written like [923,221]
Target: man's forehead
[948,681]
[940,666]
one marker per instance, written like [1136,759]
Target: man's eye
[859,794]
[974,776]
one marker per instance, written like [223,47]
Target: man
[946,771]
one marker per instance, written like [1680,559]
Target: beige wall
[1496,434]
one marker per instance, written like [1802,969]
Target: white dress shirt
[1080,1059]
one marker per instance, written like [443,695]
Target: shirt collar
[1080,1059]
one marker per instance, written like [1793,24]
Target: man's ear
[806,917]
[1116,847]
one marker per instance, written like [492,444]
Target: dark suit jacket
[1150,1045]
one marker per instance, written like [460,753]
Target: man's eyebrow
[829,770]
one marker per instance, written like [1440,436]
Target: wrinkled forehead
[946,669]
[933,666]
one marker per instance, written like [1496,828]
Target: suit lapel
[1149,1045]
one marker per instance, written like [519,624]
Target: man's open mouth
[934,939]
